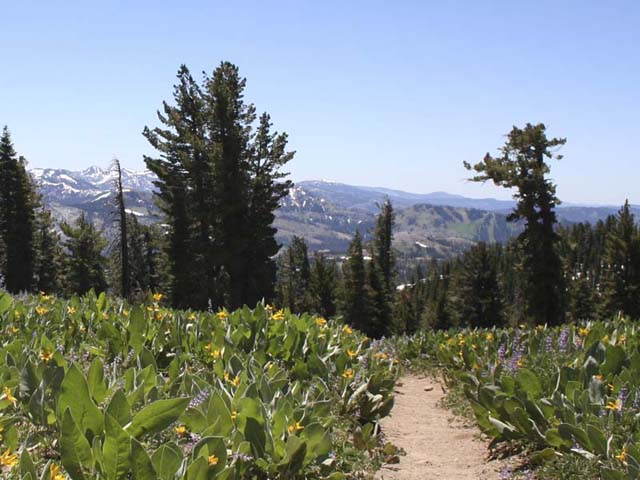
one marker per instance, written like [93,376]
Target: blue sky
[393,94]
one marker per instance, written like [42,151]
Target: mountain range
[326,214]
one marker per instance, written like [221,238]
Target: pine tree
[295,277]
[219,185]
[356,303]
[123,243]
[621,282]
[474,297]
[266,188]
[17,218]
[522,166]
[323,285]
[381,273]
[48,263]
[84,260]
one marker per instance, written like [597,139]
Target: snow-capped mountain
[93,184]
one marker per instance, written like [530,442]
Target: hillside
[325,213]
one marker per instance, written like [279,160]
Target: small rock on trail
[436,447]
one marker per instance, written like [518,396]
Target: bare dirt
[437,445]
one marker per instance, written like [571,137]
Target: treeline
[548,274]
[39,254]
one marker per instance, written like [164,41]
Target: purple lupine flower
[199,399]
[502,352]
[563,340]
[548,343]
[623,395]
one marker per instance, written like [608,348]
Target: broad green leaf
[167,460]
[26,465]
[119,408]
[142,468]
[137,328]
[75,396]
[156,416]
[95,380]
[75,449]
[255,435]
[116,450]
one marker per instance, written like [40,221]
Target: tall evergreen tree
[218,184]
[621,260]
[84,260]
[474,297]
[356,302]
[522,166]
[17,218]
[123,243]
[48,264]
[295,277]
[381,272]
[323,285]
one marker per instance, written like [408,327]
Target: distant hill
[326,214]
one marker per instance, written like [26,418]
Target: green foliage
[94,387]
[560,392]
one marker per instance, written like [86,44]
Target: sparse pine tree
[522,166]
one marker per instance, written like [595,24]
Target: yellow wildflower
[295,427]
[615,405]
[520,363]
[149,308]
[41,310]
[348,373]
[8,459]
[489,336]
[54,472]
[46,355]
[215,353]
[461,342]
[321,322]
[71,310]
[222,315]
[105,316]
[192,317]
[14,329]
[181,431]
[598,377]
[234,415]
[17,314]
[583,332]
[351,353]
[279,315]
[605,339]
[7,395]
[236,381]
[157,297]
[347,329]
[212,459]
[622,339]
[125,313]
[623,456]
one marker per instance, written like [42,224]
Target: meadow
[94,387]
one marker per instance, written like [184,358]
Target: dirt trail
[436,447]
